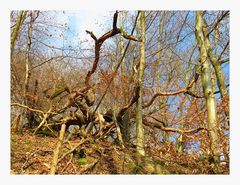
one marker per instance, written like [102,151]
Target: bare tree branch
[118,65]
[224,61]
[219,57]
[184,90]
[168,129]
[31,109]
[225,14]
[99,42]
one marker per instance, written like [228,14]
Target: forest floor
[32,154]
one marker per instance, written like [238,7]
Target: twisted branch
[99,42]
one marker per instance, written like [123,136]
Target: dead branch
[26,163]
[92,35]
[70,160]
[45,114]
[159,121]
[118,65]
[184,90]
[115,20]
[193,95]
[43,122]
[99,42]
[168,129]
[57,149]
[105,130]
[68,163]
[74,148]
[72,96]
[89,167]
[31,109]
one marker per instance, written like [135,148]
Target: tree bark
[25,113]
[16,29]
[139,122]
[218,71]
[216,64]
[27,72]
[207,89]
[125,126]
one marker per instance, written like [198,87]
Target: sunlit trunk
[213,129]
[16,29]
[218,71]
[139,123]
[216,64]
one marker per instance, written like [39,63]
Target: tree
[216,62]
[213,126]
[139,120]
[125,125]
[134,90]
[15,32]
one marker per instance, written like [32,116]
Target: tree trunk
[125,126]
[16,29]
[207,89]
[139,123]
[25,113]
[14,35]
[122,43]
[162,101]
[27,72]
[218,71]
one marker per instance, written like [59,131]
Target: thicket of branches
[95,84]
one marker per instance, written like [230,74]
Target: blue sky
[77,22]
[95,21]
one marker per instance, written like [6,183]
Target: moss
[82,161]
[132,165]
